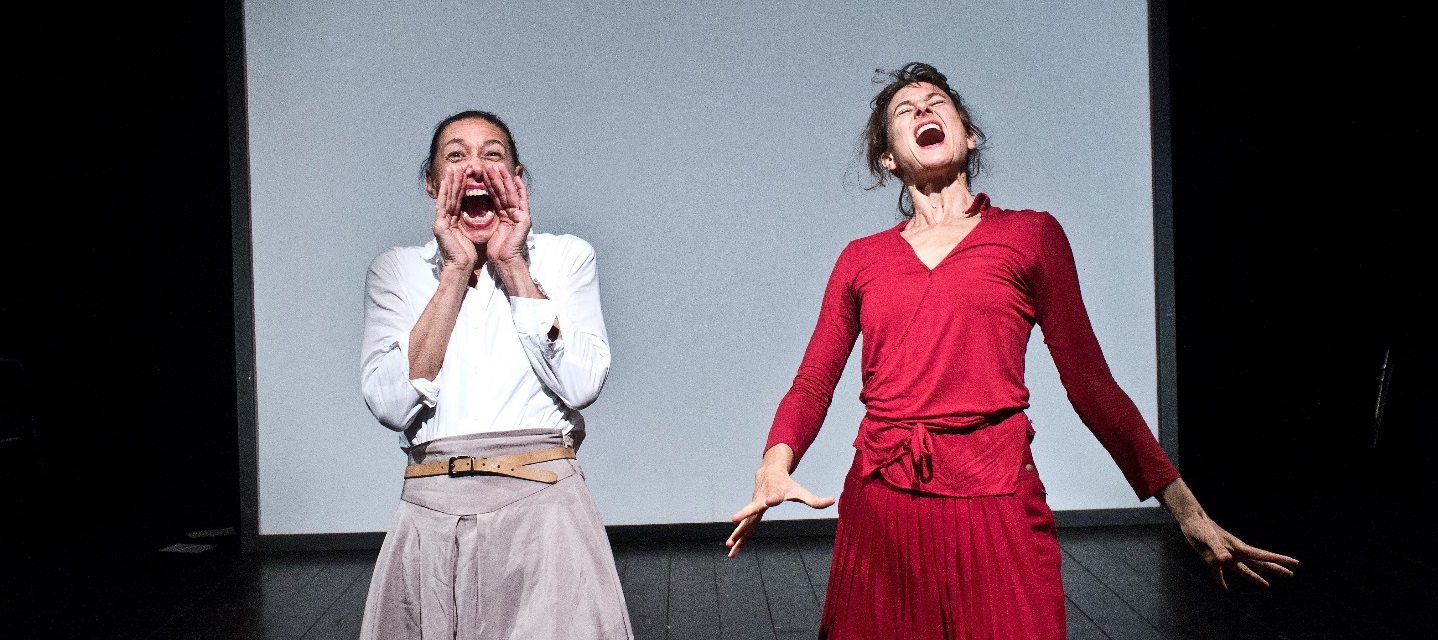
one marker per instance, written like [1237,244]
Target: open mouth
[476,208]
[929,134]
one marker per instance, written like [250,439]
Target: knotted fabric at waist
[957,457]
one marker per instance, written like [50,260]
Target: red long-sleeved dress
[943,530]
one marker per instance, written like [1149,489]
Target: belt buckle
[452,473]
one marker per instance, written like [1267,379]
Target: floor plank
[1080,627]
[1141,588]
[1314,606]
[341,621]
[693,591]
[743,609]
[818,555]
[792,604]
[1097,601]
[645,582]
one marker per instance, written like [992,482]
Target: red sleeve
[1102,406]
[801,413]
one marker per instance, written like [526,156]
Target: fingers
[491,181]
[1269,557]
[1273,567]
[786,489]
[1216,570]
[1255,558]
[741,533]
[775,500]
[1250,573]
[757,507]
[511,197]
[498,182]
[446,203]
[1250,557]
[734,547]
[447,200]
[1246,559]
[457,177]
[808,497]
[1211,547]
[522,192]
[521,200]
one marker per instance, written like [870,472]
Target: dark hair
[426,168]
[875,139]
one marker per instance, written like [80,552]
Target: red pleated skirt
[912,566]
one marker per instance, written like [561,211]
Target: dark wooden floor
[1122,582]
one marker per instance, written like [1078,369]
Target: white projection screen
[709,152]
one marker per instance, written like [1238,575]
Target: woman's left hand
[1224,551]
[506,248]
[1220,549]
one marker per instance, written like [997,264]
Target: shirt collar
[980,205]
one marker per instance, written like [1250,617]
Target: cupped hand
[511,210]
[772,486]
[455,249]
[1223,551]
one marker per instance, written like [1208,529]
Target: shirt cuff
[428,391]
[533,316]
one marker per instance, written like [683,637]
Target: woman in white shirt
[479,349]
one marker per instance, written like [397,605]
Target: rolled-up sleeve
[394,399]
[576,365]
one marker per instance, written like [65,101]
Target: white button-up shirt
[501,371]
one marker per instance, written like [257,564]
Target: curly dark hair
[875,139]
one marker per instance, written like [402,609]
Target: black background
[1298,153]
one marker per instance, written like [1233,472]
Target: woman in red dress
[944,531]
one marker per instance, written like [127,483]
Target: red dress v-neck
[913,250]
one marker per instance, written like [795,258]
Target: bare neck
[940,204]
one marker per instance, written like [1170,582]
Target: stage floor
[1121,582]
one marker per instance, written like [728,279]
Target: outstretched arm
[1219,548]
[1112,417]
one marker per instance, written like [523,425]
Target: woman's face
[926,134]
[470,144]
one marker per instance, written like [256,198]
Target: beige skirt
[488,557]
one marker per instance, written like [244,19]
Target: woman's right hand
[457,251]
[772,486]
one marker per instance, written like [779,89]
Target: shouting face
[926,134]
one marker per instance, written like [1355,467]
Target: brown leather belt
[512,465]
